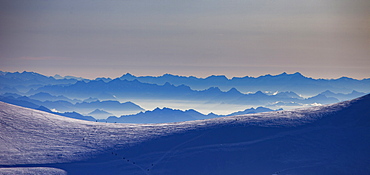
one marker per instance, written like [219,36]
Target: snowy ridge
[32,138]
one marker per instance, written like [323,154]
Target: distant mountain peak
[57,76]
[298,73]
[267,75]
[259,93]
[289,94]
[213,89]
[357,92]
[99,111]
[33,73]
[221,77]
[346,79]
[328,91]
[127,76]
[169,75]
[234,91]
[167,84]
[157,109]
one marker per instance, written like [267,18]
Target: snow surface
[331,139]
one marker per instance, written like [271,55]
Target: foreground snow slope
[333,139]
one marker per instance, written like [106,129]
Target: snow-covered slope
[333,139]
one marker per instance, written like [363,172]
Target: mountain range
[124,89]
[16,82]
[22,82]
[167,115]
[65,106]
[164,115]
[68,94]
[283,82]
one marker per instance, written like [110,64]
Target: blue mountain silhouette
[167,115]
[28,103]
[163,115]
[135,89]
[158,115]
[283,82]
[213,89]
[26,80]
[61,105]
[99,111]
[21,82]
[252,111]
[42,96]
[341,96]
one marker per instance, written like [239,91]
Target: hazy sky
[319,38]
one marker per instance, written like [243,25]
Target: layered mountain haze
[341,96]
[156,116]
[23,82]
[330,139]
[42,96]
[115,107]
[296,82]
[283,82]
[125,90]
[98,113]
[167,115]
[129,95]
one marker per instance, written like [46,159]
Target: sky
[89,38]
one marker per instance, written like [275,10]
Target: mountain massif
[16,82]
[283,82]
[129,94]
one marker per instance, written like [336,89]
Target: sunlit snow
[281,142]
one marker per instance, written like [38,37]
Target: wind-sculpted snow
[303,141]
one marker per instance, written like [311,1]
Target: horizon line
[186,76]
